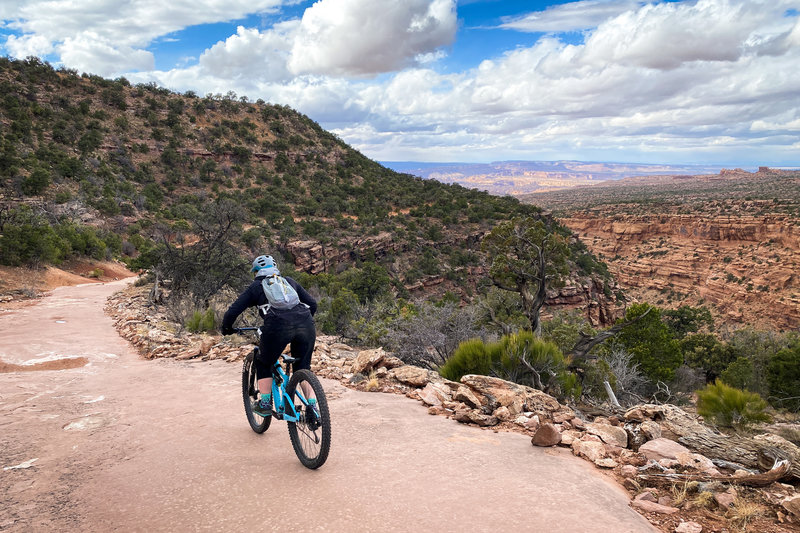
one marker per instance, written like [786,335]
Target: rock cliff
[747,268]
[591,295]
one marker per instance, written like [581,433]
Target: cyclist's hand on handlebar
[227,330]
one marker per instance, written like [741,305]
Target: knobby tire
[311,440]
[258,423]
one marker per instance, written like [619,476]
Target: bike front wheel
[311,434]
[258,423]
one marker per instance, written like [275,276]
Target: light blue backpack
[280,294]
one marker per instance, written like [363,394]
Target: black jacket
[254,295]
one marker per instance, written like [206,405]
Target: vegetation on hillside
[144,162]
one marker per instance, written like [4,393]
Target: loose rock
[662,449]
[546,435]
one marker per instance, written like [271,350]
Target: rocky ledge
[672,485]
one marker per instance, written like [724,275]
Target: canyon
[730,242]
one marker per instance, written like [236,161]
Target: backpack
[280,294]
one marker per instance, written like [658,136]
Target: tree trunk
[532,303]
[759,451]
[585,343]
[155,295]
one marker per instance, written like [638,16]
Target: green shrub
[36,183]
[783,376]
[202,321]
[651,342]
[471,357]
[731,407]
[520,357]
[528,360]
[739,374]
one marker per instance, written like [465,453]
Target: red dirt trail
[125,444]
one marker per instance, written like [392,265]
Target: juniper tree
[525,257]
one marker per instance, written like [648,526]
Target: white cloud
[133,22]
[364,37]
[573,16]
[250,54]
[121,29]
[28,45]
[664,36]
[91,53]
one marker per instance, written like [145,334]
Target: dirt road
[124,444]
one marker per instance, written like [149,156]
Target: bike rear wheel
[258,423]
[311,434]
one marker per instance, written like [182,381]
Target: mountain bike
[309,423]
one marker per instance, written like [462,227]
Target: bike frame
[282,404]
[280,398]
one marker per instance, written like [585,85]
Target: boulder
[647,496]
[569,436]
[392,362]
[614,435]
[698,462]
[726,500]
[189,353]
[546,435]
[366,360]
[341,347]
[634,415]
[689,527]
[628,471]
[592,450]
[792,504]
[502,413]
[429,396]
[606,462]
[464,394]
[470,416]
[657,449]
[434,394]
[650,430]
[518,398]
[410,375]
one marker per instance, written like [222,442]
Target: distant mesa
[525,177]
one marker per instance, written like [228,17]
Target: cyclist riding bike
[293,326]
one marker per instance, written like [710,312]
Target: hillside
[102,168]
[125,159]
[730,241]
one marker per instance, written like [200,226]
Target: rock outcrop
[745,267]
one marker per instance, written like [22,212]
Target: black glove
[227,330]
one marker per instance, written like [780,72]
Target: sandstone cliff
[747,268]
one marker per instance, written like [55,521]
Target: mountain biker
[293,326]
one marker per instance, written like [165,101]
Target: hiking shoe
[263,407]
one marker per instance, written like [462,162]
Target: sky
[682,82]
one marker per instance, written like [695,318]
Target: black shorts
[276,333]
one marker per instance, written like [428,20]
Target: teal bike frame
[283,406]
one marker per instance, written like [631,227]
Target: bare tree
[202,268]
[430,337]
[630,382]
